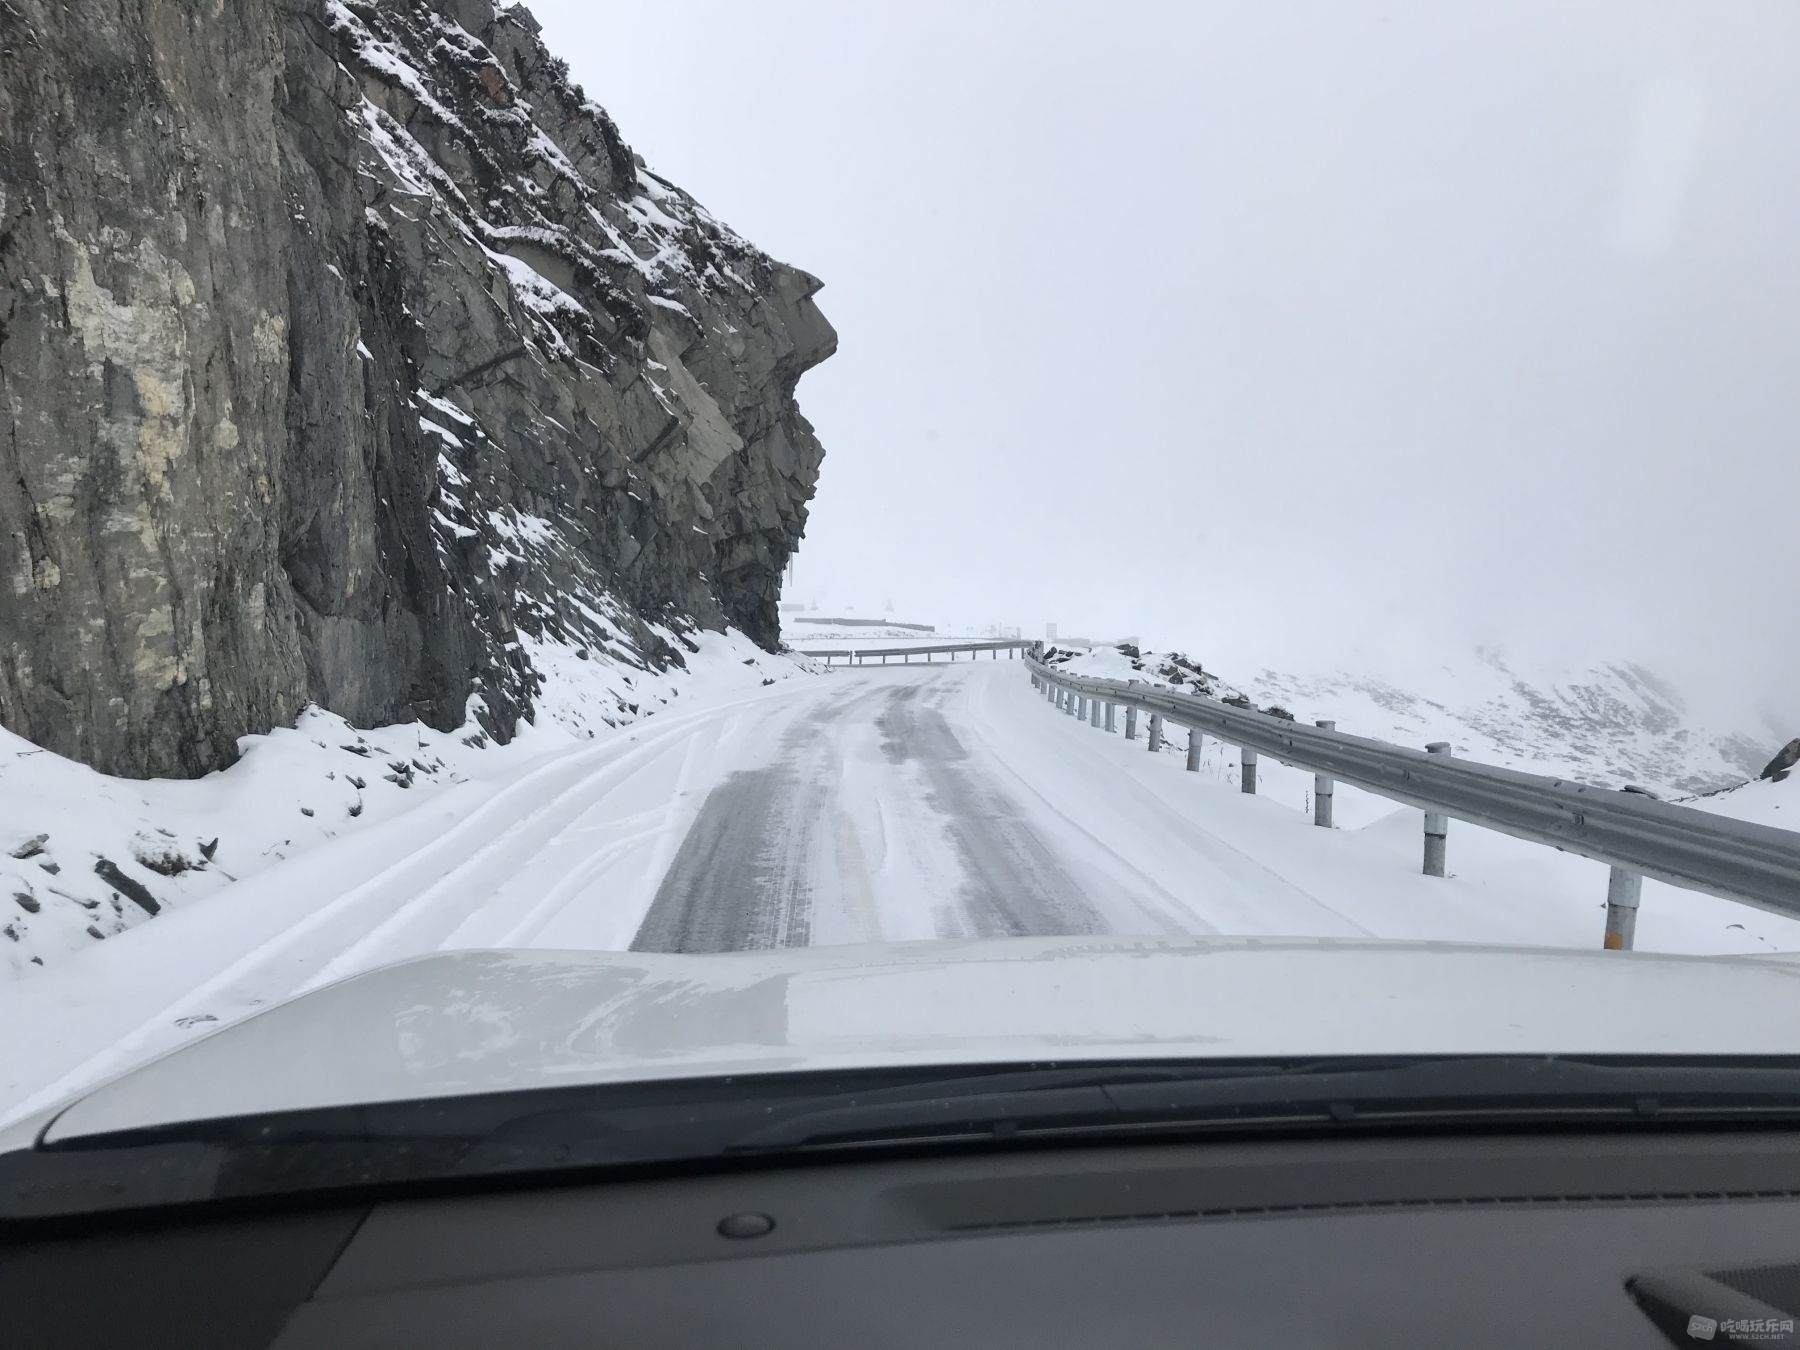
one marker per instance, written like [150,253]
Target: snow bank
[84,857]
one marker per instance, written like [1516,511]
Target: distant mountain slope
[1612,724]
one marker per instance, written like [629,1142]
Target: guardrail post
[1247,770]
[1094,712]
[1323,786]
[1155,731]
[1622,891]
[1070,698]
[1131,724]
[1437,826]
[1109,717]
[1195,739]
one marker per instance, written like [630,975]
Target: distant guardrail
[1635,834]
[868,623]
[862,656]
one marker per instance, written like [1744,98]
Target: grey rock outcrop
[1783,763]
[348,355]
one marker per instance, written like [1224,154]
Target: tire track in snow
[574,892]
[745,876]
[1014,885]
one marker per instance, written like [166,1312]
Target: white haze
[1277,327]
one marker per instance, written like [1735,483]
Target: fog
[1274,328]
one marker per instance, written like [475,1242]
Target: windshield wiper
[1440,1092]
[608,1127]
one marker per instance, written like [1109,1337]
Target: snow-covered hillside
[84,856]
[1613,724]
[1557,896]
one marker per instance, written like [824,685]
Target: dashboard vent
[1790,1274]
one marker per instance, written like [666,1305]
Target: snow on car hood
[485,1021]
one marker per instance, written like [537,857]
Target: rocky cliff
[348,355]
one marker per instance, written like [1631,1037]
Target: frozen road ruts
[871,819]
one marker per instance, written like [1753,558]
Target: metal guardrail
[1632,832]
[923,628]
[862,655]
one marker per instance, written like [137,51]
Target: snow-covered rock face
[349,356]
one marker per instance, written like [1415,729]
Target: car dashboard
[1580,1238]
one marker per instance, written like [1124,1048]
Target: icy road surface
[873,804]
[903,804]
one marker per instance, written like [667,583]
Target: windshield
[547,546]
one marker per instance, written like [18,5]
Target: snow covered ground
[164,844]
[1526,893]
[873,804]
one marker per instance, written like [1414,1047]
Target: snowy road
[867,819]
[876,804]
[901,804]
[872,805]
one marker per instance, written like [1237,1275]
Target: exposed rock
[345,349]
[1785,759]
[1177,669]
[168,862]
[133,889]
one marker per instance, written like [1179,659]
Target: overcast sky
[1261,328]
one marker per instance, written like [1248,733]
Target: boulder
[1785,759]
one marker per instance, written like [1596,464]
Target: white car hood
[486,1021]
